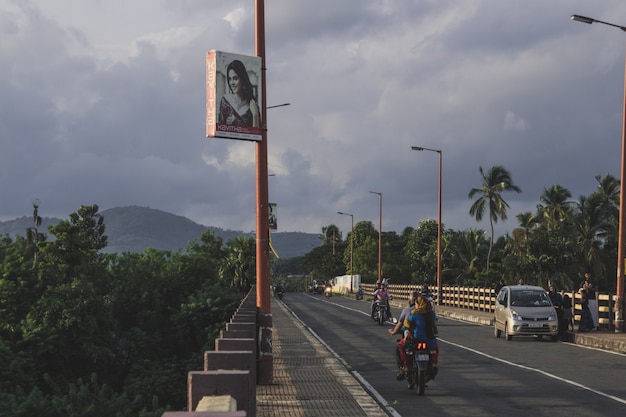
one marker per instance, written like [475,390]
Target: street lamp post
[619,290]
[265,363]
[380,236]
[351,244]
[419,148]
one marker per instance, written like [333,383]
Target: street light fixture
[619,290]
[278,105]
[351,245]
[380,236]
[419,148]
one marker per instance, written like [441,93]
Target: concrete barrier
[241,326]
[241,360]
[233,334]
[243,318]
[239,413]
[237,384]
[237,343]
[229,370]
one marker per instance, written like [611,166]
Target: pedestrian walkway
[308,381]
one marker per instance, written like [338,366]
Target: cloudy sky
[103,102]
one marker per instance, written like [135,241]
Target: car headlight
[515,316]
[552,317]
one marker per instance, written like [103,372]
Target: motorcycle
[420,365]
[328,292]
[279,294]
[382,313]
[359,294]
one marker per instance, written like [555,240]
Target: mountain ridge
[136,228]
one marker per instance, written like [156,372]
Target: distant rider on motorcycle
[278,289]
[380,294]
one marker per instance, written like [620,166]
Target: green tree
[395,265]
[321,263]
[421,252]
[554,207]
[463,251]
[495,182]
[240,264]
[331,235]
[590,230]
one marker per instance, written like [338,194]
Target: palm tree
[554,207]
[463,248]
[239,266]
[494,183]
[528,222]
[608,189]
[331,235]
[590,230]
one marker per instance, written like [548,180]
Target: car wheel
[496,332]
[507,336]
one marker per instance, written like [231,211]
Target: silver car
[525,310]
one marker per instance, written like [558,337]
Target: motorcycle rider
[280,288]
[380,294]
[421,325]
[399,328]
[328,289]
[430,297]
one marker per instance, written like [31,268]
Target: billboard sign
[233,99]
[273,219]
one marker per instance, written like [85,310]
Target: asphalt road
[479,375]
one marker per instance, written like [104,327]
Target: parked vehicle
[420,365]
[524,310]
[382,312]
[318,286]
[359,294]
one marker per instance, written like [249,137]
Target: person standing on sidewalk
[557,302]
[591,289]
[498,287]
[568,314]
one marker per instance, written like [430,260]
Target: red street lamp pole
[380,236]
[619,289]
[419,148]
[265,364]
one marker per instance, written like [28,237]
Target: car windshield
[530,298]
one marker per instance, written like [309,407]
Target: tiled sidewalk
[307,380]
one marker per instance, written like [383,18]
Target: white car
[525,310]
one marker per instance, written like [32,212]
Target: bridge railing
[226,387]
[484,299]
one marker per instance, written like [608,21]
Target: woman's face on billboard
[234,81]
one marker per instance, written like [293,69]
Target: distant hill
[134,229]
